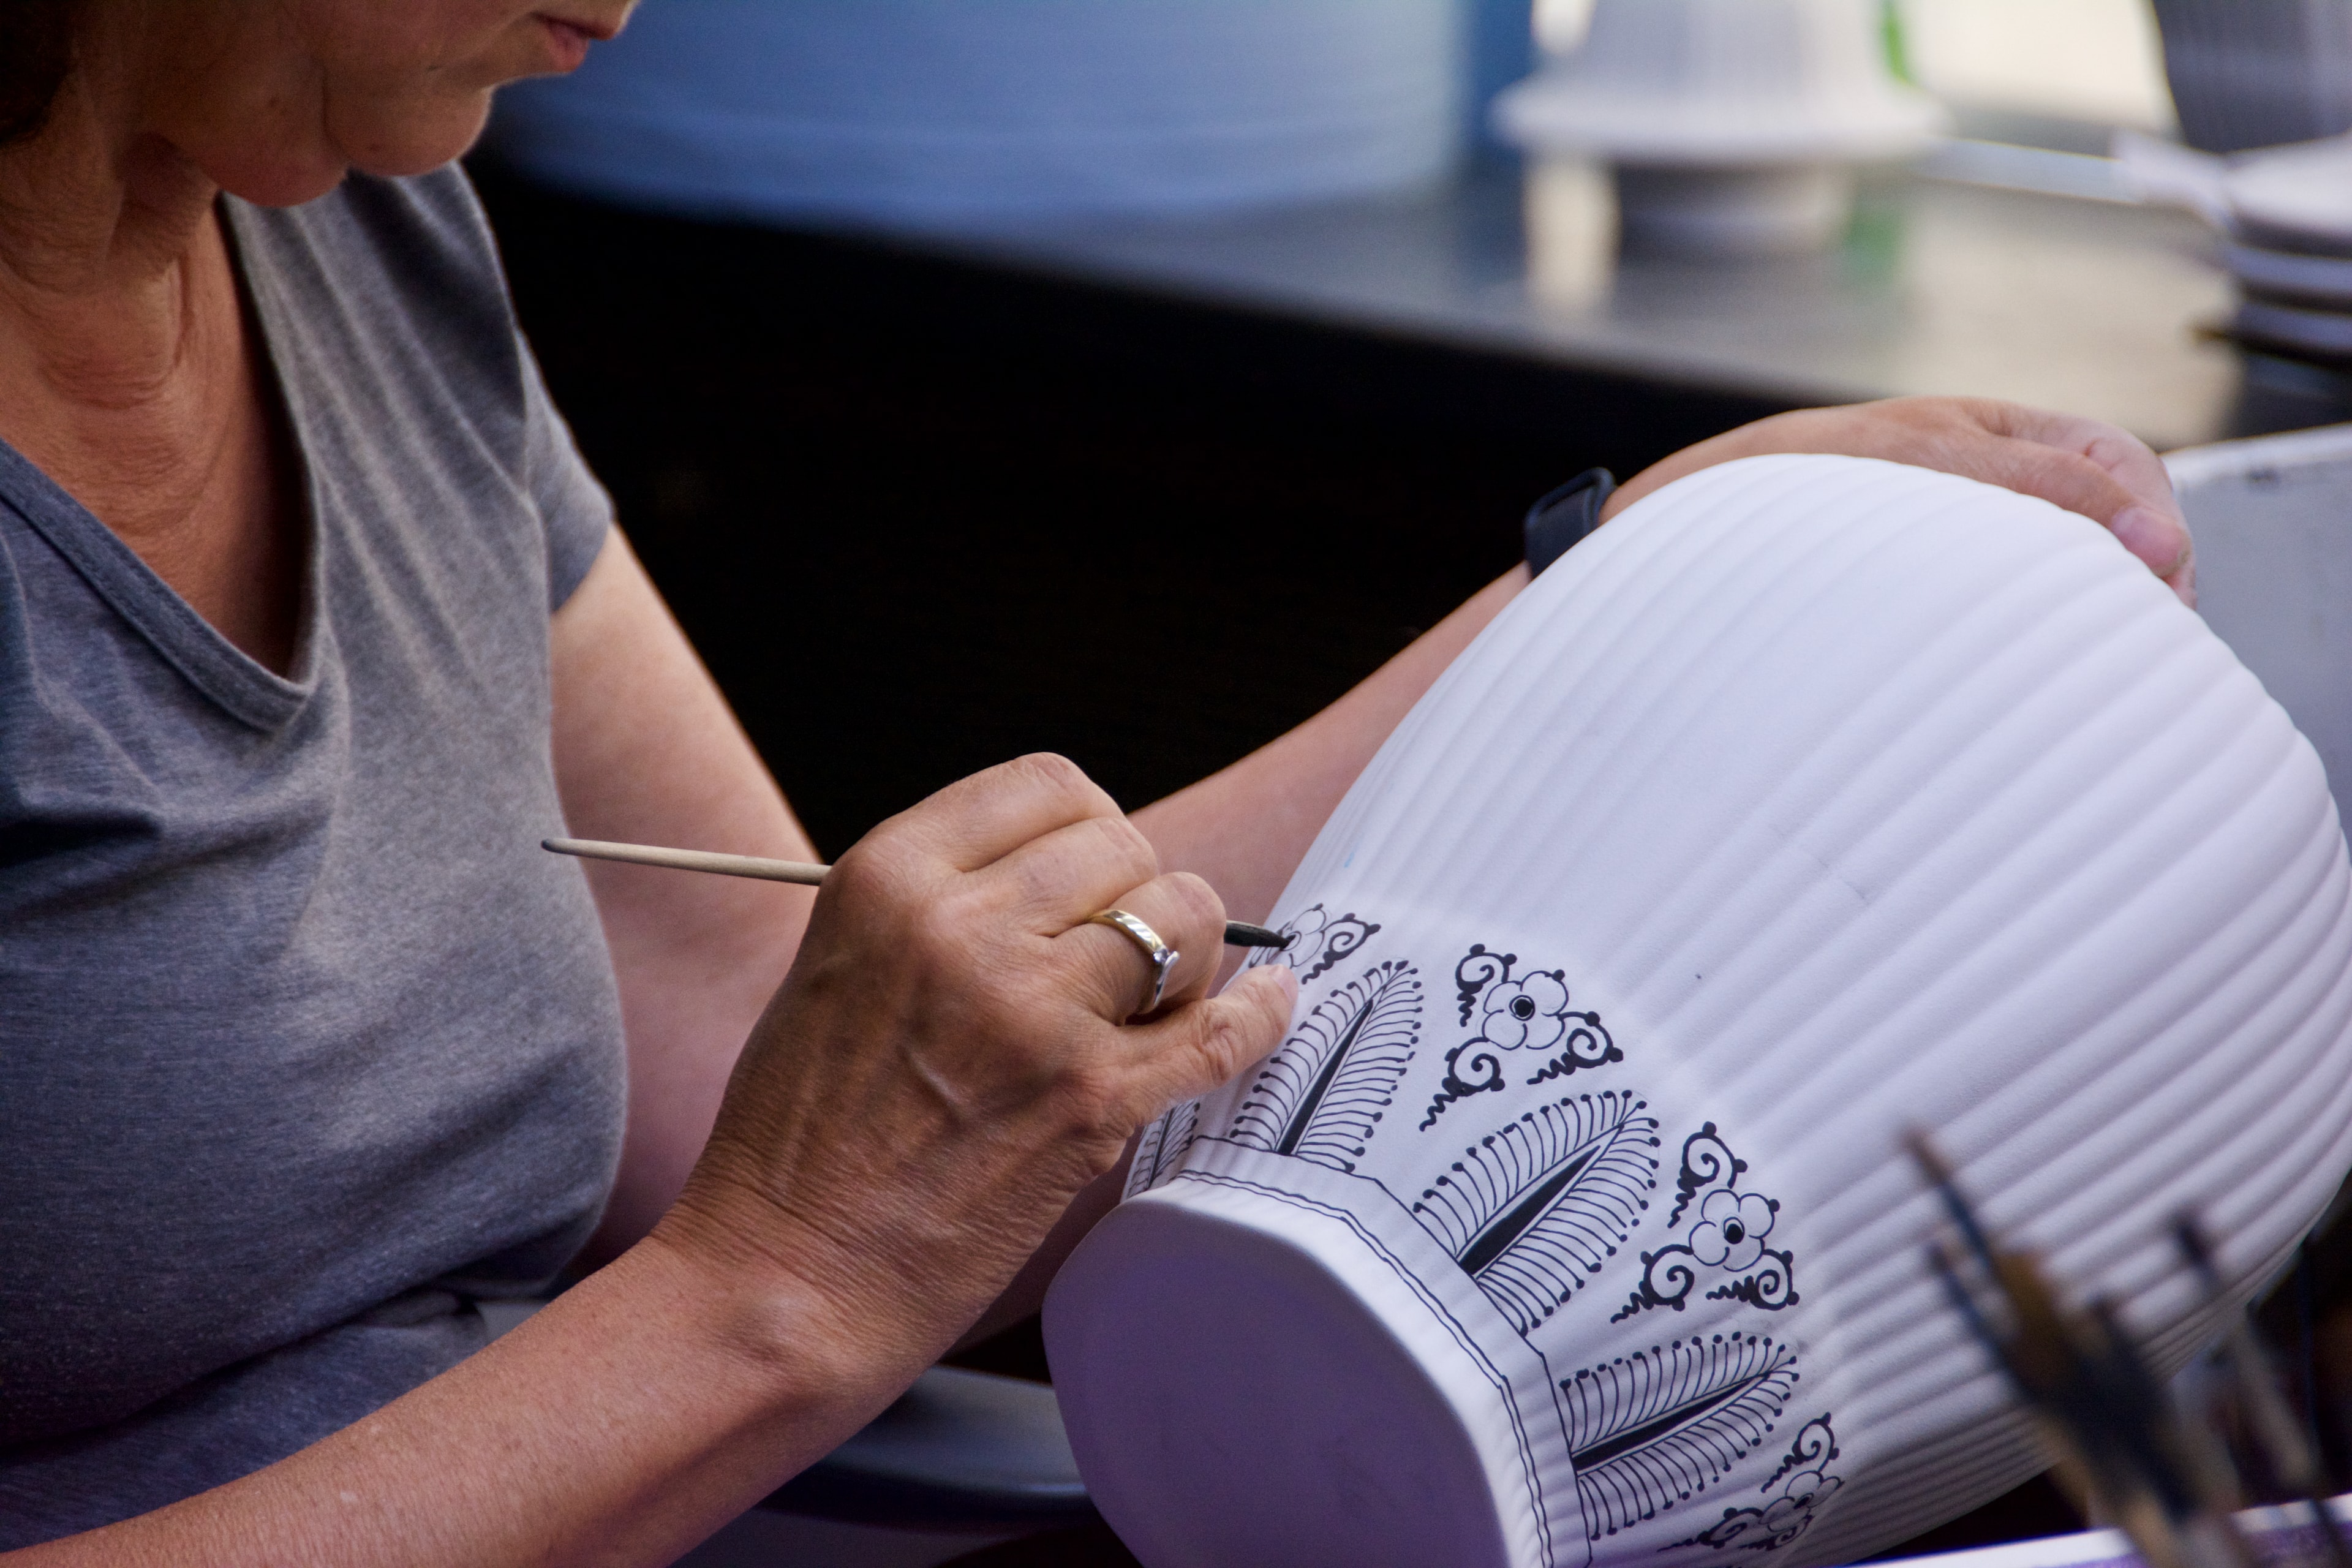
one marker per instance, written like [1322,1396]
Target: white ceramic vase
[1812,800]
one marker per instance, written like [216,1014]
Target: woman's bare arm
[647,752]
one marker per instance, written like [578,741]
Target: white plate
[1812,800]
[2298,196]
[2314,332]
[2326,278]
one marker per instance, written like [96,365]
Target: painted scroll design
[1726,1243]
[1802,1486]
[1527,1013]
[1320,1096]
[1319,940]
[1533,1210]
[1163,1147]
[1655,1429]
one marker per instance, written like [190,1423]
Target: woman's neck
[127,370]
[101,226]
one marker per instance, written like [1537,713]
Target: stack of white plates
[2285,217]
[2289,215]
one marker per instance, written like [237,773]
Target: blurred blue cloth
[931,111]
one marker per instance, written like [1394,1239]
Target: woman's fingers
[2136,501]
[1203,1043]
[1112,970]
[1058,879]
[2131,461]
[2151,529]
[2088,466]
[976,821]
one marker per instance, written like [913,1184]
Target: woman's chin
[417,143]
[276,181]
[282,181]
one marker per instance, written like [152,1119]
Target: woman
[311,625]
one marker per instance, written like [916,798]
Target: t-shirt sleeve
[575,508]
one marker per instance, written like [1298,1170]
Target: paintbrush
[1238,933]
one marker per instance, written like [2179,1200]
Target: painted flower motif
[1731,1229]
[1788,1517]
[1319,940]
[1526,1014]
[1312,924]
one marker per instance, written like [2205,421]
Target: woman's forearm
[620,1425]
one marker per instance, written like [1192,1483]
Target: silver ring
[1162,956]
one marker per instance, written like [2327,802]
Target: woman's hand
[2083,465]
[946,1064]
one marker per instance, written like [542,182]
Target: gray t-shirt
[304,1042]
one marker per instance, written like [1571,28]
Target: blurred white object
[2258,73]
[1733,124]
[1569,214]
[946,110]
[1812,800]
[1559,24]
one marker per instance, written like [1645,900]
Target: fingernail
[2154,537]
[1287,978]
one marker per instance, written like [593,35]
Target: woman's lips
[570,40]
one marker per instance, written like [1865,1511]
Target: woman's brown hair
[36,51]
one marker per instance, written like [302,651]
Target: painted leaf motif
[1655,1429]
[1533,1210]
[1323,1093]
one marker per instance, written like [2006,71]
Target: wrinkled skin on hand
[2087,466]
[946,1064]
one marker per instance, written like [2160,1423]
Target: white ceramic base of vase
[1236,1391]
[1734,212]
